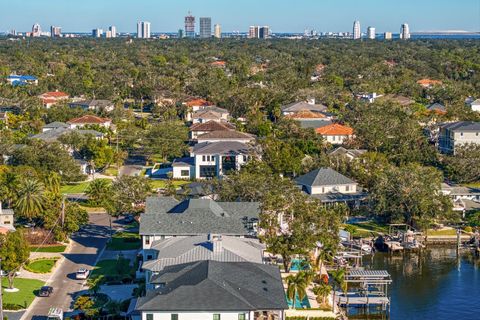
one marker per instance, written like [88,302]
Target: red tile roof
[335,129]
[428,82]
[198,102]
[219,63]
[89,119]
[55,94]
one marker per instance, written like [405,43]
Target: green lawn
[60,248]
[365,229]
[77,187]
[26,294]
[41,265]
[124,241]
[442,232]
[473,184]
[163,183]
[111,171]
[111,270]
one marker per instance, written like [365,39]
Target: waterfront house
[186,249]
[212,159]
[454,134]
[463,198]
[335,133]
[329,186]
[89,120]
[166,217]
[206,290]
[53,97]
[94,105]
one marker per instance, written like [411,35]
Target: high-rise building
[387,35]
[113,31]
[97,33]
[55,32]
[357,32]
[404,32]
[205,27]
[217,33]
[180,34]
[264,32]
[253,32]
[143,30]
[190,26]
[371,33]
[36,30]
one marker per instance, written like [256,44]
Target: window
[149,257]
[149,316]
[347,188]
[241,316]
[461,133]
[147,240]
[174,316]
[245,158]
[185,173]
[208,171]
[203,158]
[216,316]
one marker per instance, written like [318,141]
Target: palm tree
[338,277]
[296,287]
[31,198]
[8,186]
[98,191]
[52,183]
[322,291]
[325,255]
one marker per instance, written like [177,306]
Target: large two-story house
[166,217]
[214,290]
[330,187]
[455,134]
[6,220]
[212,159]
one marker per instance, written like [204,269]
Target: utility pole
[1,301]
[63,215]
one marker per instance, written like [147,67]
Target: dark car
[45,291]
[129,218]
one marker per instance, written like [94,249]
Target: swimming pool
[299,264]
[304,304]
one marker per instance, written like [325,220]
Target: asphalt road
[87,245]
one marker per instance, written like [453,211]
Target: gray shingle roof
[323,177]
[221,147]
[180,250]
[92,103]
[437,106]
[216,286]
[54,134]
[56,124]
[343,151]
[463,126]
[167,216]
[302,105]
[306,124]
[182,162]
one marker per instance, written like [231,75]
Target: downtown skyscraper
[55,32]
[371,33]
[357,31]
[143,30]
[205,27]
[217,33]
[190,26]
[404,32]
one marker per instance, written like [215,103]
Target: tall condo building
[113,31]
[190,26]
[404,32]
[205,27]
[387,36]
[97,33]
[55,32]
[253,32]
[217,33]
[36,30]
[357,33]
[264,32]
[143,30]
[371,33]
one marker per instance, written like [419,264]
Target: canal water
[432,284]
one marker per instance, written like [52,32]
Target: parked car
[4,273]
[45,291]
[82,274]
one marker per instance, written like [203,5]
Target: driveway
[87,245]
[130,170]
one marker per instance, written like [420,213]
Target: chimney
[311,101]
[215,241]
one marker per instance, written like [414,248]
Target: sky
[280,15]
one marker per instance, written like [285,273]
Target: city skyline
[429,15]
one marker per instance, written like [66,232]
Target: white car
[82,274]
[4,273]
